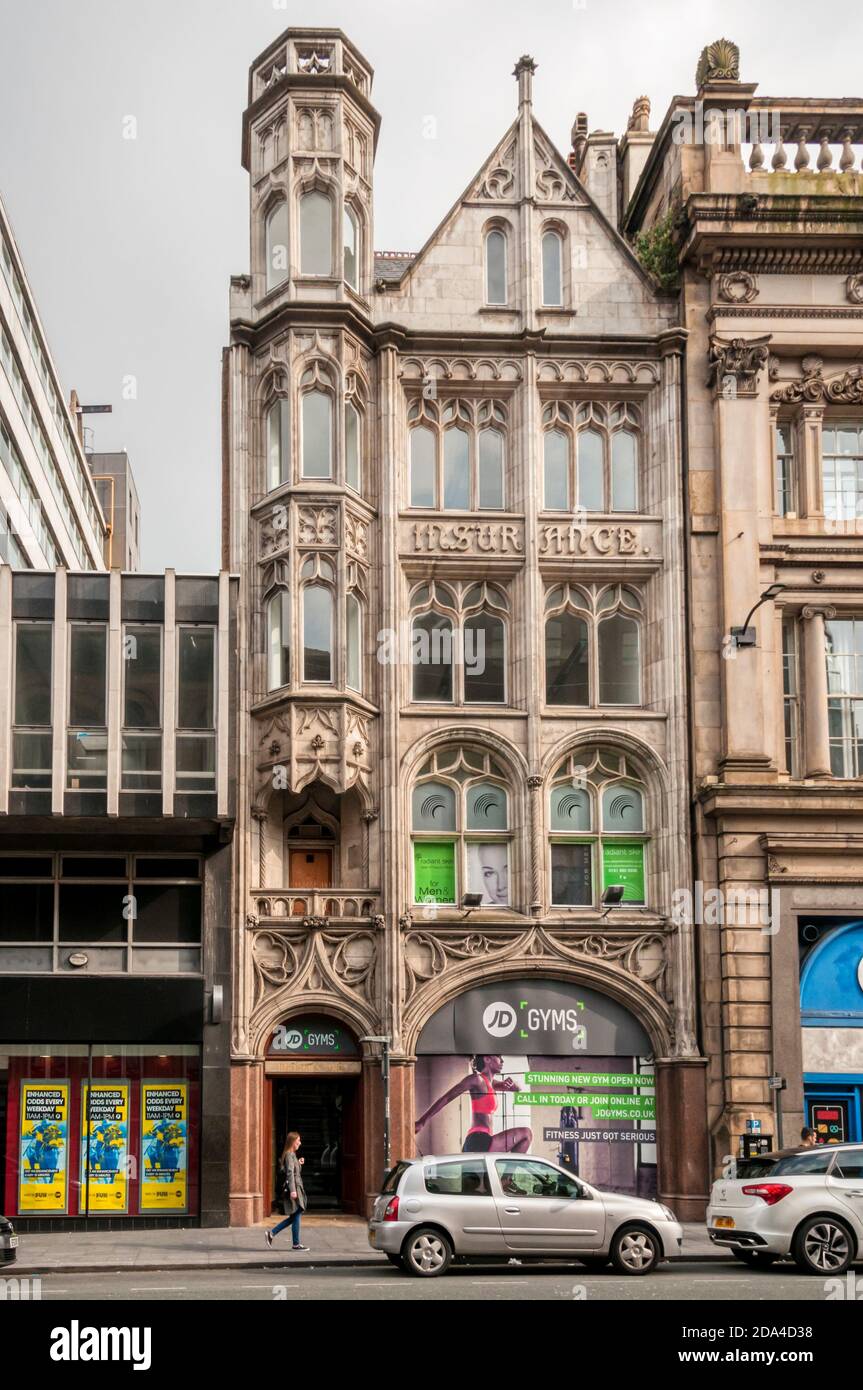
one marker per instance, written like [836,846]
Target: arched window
[591,490]
[422,467]
[484,660]
[353,473]
[490,469]
[619,666]
[317,633]
[276,238]
[592,645]
[277,443]
[317,432]
[432,657]
[351,248]
[316,234]
[556,467]
[353,643]
[461,830]
[456,470]
[495,267]
[552,268]
[278,640]
[624,472]
[567,661]
[597,830]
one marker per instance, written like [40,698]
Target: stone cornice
[783,260]
[809,311]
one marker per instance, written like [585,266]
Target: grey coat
[294,1183]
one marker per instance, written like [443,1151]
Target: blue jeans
[293,1222]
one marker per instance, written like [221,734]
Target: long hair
[290,1139]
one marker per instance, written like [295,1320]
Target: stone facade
[767,242]
[337,359]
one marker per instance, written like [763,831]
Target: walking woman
[482,1085]
[295,1193]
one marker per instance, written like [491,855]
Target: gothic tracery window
[597,830]
[457,455]
[461,829]
[593,645]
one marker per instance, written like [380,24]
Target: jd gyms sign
[534,1016]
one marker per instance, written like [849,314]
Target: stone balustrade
[335,904]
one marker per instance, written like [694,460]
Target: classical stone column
[536,846]
[259,816]
[810,463]
[815,730]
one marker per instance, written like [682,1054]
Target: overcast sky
[129,243]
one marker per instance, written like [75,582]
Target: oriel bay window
[196,709]
[461,832]
[597,834]
[458,643]
[456,455]
[593,645]
[317,577]
[277,443]
[278,634]
[87,729]
[316,234]
[316,423]
[31,736]
[276,244]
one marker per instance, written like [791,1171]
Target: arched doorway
[314,1085]
[544,1067]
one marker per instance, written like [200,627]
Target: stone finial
[524,70]
[719,62]
[640,117]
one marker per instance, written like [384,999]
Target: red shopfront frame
[168,1067]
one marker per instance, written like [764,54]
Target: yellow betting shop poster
[43,1166]
[164,1145]
[106,1172]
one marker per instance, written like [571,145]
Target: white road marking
[157,1288]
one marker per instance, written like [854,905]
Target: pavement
[332,1241]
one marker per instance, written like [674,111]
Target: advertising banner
[104,1179]
[164,1146]
[624,863]
[434,873]
[43,1163]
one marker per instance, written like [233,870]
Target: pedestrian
[808,1138]
[295,1193]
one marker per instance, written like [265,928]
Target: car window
[521,1177]
[812,1161]
[393,1178]
[849,1164]
[465,1178]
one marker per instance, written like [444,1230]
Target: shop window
[31,737]
[276,237]
[316,234]
[593,645]
[460,823]
[597,831]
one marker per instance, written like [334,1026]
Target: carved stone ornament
[846,389]
[640,116]
[719,62]
[854,289]
[738,287]
[733,366]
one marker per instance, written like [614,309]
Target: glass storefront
[100,1129]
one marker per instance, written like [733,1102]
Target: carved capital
[811,610]
[734,365]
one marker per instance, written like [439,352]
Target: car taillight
[769,1192]
[392,1211]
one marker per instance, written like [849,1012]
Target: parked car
[488,1207]
[8,1242]
[806,1203]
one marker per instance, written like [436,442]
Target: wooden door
[352,1146]
[311,868]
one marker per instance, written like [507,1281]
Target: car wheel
[634,1250]
[756,1259]
[426,1252]
[823,1245]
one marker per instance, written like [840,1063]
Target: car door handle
[513,1211]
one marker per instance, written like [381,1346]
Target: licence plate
[9,1242]
[372,1239]
[726,1222]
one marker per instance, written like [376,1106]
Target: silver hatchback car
[488,1207]
[806,1203]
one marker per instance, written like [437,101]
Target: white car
[806,1203]
[496,1207]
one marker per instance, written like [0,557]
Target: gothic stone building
[767,221]
[453,493]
